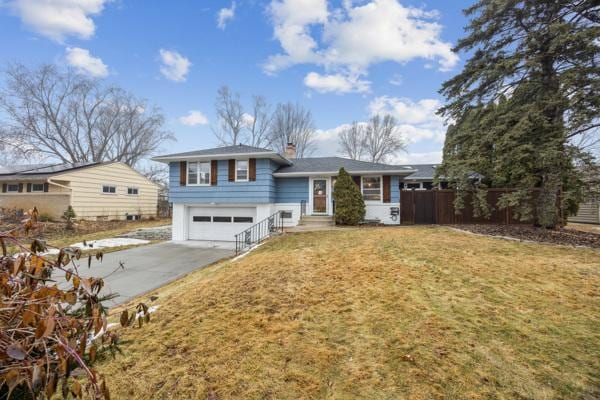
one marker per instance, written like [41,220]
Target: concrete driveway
[149,267]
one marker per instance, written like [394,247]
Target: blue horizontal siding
[266,188]
[291,190]
[260,191]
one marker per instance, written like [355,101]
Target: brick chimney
[290,150]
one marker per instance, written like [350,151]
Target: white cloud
[355,37]
[417,120]
[175,67]
[194,118]
[396,80]
[59,19]
[337,83]
[292,19]
[85,63]
[430,157]
[225,14]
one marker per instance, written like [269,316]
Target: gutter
[273,155]
[320,173]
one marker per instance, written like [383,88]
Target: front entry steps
[316,221]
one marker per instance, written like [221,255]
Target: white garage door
[219,223]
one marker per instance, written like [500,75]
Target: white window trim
[12,191]
[108,193]
[247,171]
[37,191]
[133,194]
[187,173]
[380,189]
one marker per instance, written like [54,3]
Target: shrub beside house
[349,203]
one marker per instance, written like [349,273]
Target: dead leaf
[124,318]
[15,351]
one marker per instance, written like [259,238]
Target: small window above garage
[201,218]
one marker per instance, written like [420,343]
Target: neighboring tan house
[218,193]
[109,190]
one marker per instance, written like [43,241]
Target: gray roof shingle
[423,171]
[333,164]
[237,149]
[40,171]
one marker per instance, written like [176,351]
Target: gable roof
[225,152]
[40,171]
[331,165]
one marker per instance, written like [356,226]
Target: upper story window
[198,173]
[371,188]
[133,191]
[12,187]
[109,189]
[37,187]
[241,170]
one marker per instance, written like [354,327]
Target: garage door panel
[204,222]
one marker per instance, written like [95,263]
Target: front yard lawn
[382,313]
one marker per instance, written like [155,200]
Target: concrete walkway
[149,267]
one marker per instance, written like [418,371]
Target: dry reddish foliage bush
[53,324]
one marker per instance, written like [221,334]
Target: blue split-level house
[218,193]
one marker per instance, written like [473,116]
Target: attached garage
[219,223]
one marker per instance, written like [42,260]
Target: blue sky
[342,60]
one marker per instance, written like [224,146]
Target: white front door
[219,223]
[320,196]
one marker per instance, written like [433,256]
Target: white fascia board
[335,173]
[272,156]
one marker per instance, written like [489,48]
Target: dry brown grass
[385,313]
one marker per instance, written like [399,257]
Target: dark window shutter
[45,186]
[231,170]
[387,195]
[213,172]
[252,169]
[356,180]
[4,188]
[182,173]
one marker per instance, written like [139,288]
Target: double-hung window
[37,187]
[133,191]
[109,189]
[241,170]
[12,187]
[198,173]
[371,188]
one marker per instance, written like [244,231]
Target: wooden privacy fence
[437,207]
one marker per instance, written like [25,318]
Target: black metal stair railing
[259,232]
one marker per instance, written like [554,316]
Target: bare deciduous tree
[157,173]
[382,139]
[63,115]
[259,122]
[292,123]
[352,140]
[231,117]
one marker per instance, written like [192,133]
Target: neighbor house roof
[423,171]
[316,165]
[39,171]
[225,152]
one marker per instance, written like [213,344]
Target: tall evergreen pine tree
[528,91]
